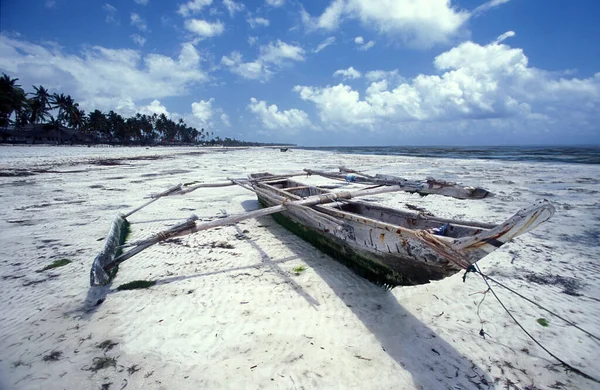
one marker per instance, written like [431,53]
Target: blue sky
[335,72]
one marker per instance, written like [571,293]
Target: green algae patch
[55,264]
[299,269]
[137,284]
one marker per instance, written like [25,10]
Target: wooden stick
[190,226]
[155,198]
[231,182]
[423,187]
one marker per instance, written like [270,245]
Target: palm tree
[59,102]
[80,118]
[12,99]
[116,124]
[40,104]
[98,124]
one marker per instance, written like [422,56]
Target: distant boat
[283,149]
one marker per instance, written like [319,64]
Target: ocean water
[560,154]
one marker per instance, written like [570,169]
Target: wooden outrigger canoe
[388,246]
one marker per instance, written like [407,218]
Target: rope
[565,364]
[541,307]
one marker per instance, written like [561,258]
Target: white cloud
[327,42]
[156,107]
[390,76]
[367,46]
[233,7]
[192,7]
[203,28]
[416,23]
[329,20]
[272,57]
[139,22]
[206,116]
[253,70]
[203,110]
[258,21]
[279,52]
[505,36]
[474,82]
[360,42]
[111,14]
[289,121]
[275,3]
[225,120]
[99,77]
[349,73]
[487,6]
[252,41]
[141,2]
[138,39]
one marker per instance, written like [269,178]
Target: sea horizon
[583,154]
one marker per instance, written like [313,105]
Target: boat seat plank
[295,188]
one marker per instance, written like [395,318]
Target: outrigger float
[387,246]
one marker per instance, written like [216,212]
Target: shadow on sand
[432,362]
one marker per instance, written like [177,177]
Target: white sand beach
[229,312]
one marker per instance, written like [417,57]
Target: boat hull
[343,243]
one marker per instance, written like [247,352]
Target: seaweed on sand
[137,284]
[55,264]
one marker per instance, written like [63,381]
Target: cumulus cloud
[349,73]
[99,77]
[327,42]
[139,22]
[233,7]
[288,121]
[203,110]
[192,7]
[206,115]
[272,57]
[204,29]
[415,23]
[278,52]
[252,70]
[474,82]
[258,22]
[329,20]
[156,107]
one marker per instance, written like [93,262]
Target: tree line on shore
[19,109]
